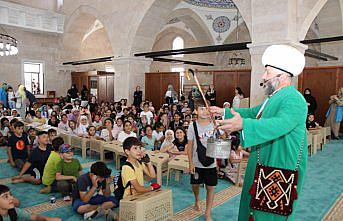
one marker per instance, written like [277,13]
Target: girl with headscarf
[21,100]
[311,101]
[83,122]
[168,141]
[171,95]
[334,116]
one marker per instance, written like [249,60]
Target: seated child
[159,134]
[311,124]
[72,127]
[49,174]
[108,133]
[180,142]
[67,171]
[97,123]
[52,133]
[236,156]
[39,118]
[168,141]
[64,123]
[178,146]
[132,171]
[149,140]
[8,210]
[92,133]
[118,127]
[87,199]
[34,167]
[18,146]
[4,131]
[127,132]
[31,132]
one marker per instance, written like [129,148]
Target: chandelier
[8,45]
[237,58]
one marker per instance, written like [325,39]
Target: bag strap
[258,116]
[196,132]
[128,184]
[299,155]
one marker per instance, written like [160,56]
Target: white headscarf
[168,142]
[83,128]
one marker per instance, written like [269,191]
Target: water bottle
[53,199]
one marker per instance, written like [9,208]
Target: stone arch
[156,16]
[313,8]
[195,23]
[76,26]
[244,8]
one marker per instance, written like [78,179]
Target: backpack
[119,188]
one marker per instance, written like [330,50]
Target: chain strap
[299,155]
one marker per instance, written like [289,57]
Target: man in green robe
[277,126]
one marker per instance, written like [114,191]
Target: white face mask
[307,92]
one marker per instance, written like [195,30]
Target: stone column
[129,73]
[256,51]
[275,24]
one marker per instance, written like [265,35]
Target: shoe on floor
[45,190]
[67,198]
[93,214]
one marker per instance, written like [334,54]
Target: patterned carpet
[321,199]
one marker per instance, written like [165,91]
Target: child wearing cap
[132,171]
[50,169]
[87,197]
[67,171]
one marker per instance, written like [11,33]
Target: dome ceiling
[212,3]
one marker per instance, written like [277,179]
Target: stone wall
[40,47]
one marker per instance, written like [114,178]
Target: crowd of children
[43,157]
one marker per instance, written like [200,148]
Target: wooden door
[156,85]
[102,88]
[172,78]
[224,84]
[244,82]
[110,87]
[322,82]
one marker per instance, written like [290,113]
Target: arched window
[178,43]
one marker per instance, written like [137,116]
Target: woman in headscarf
[21,100]
[334,116]
[311,101]
[171,95]
[193,94]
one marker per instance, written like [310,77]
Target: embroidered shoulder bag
[274,189]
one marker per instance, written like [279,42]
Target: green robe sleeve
[244,112]
[258,131]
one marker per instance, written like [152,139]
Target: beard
[271,86]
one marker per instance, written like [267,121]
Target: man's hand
[217,111]
[233,124]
